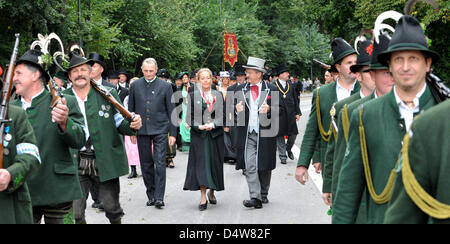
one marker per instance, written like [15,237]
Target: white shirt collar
[26,104]
[343,93]
[415,100]
[99,82]
[407,113]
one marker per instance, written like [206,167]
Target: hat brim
[343,55]
[89,61]
[255,68]
[384,57]
[357,67]
[282,71]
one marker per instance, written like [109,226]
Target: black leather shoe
[290,155]
[283,162]
[159,204]
[151,202]
[133,173]
[212,200]
[253,203]
[203,207]
[264,200]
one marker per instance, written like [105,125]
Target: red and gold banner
[230,49]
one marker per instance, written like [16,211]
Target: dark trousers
[153,164]
[285,147]
[54,214]
[108,194]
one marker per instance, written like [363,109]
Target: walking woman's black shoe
[203,207]
[212,200]
[133,173]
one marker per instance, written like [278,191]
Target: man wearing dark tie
[151,98]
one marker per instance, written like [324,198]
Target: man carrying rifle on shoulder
[57,128]
[103,158]
[19,157]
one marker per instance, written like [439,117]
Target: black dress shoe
[211,200]
[159,204]
[151,202]
[283,161]
[264,200]
[290,155]
[133,173]
[203,207]
[253,203]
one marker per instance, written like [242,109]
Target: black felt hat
[113,74]
[364,54]
[408,35]
[163,73]
[240,70]
[123,71]
[76,60]
[281,69]
[341,49]
[98,58]
[377,49]
[34,58]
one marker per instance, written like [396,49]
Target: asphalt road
[290,202]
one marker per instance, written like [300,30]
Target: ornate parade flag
[230,48]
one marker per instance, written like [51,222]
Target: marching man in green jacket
[422,189]
[20,160]
[55,185]
[319,127]
[378,126]
[103,158]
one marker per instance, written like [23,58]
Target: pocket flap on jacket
[65,168]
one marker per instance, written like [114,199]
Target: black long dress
[205,163]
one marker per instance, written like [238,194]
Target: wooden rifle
[323,65]
[6,95]
[108,96]
[55,91]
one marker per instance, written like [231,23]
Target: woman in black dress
[205,117]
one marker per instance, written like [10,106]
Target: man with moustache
[381,124]
[319,128]
[103,159]
[55,185]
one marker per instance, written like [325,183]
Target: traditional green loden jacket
[105,125]
[341,144]
[327,96]
[384,131]
[56,181]
[429,159]
[21,159]
[327,167]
